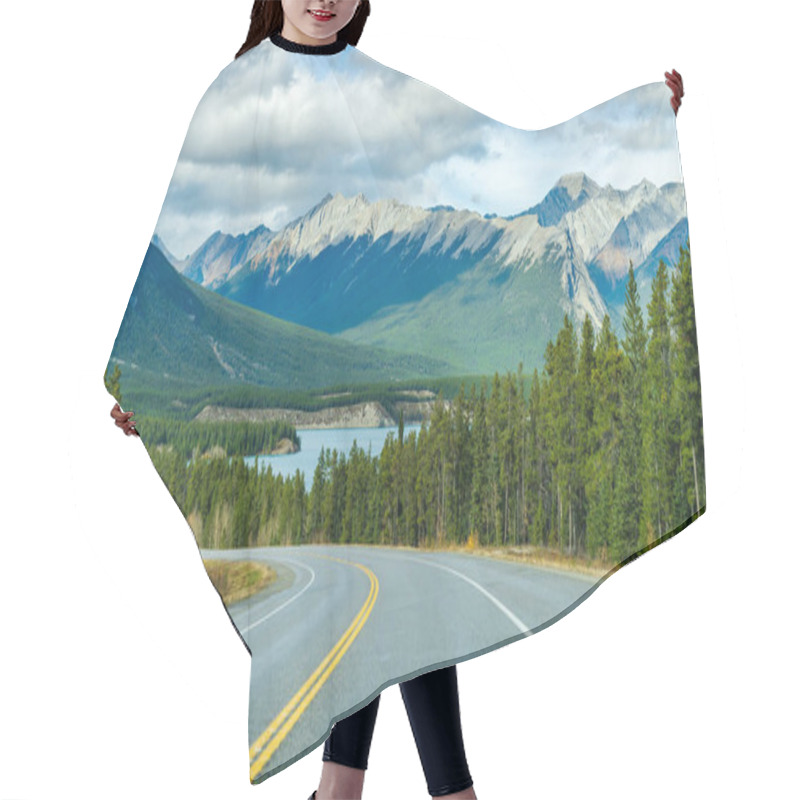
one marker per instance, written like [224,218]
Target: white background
[120,674]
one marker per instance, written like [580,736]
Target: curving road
[343,622]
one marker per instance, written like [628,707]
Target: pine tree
[316,514]
[561,366]
[601,524]
[494,428]
[690,493]
[462,467]
[628,495]
[480,480]
[537,479]
[658,435]
[584,399]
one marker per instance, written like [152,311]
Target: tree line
[195,439]
[603,457]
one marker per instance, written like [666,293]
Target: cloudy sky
[276,131]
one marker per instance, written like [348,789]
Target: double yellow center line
[277,730]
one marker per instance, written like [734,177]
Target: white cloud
[276,132]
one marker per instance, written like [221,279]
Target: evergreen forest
[600,457]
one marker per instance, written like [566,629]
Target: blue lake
[312,440]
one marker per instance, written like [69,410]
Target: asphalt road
[341,623]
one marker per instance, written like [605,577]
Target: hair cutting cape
[418,380]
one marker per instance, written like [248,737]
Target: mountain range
[353,289]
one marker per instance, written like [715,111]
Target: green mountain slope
[487,319]
[175,332]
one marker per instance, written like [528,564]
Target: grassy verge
[544,557]
[237,580]
[528,554]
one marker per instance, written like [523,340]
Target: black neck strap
[310,49]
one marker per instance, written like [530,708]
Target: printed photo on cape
[418,380]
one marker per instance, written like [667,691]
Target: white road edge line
[526,629]
[290,600]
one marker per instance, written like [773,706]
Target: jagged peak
[644,186]
[338,200]
[328,198]
[158,242]
[577,182]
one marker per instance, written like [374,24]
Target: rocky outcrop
[357,415]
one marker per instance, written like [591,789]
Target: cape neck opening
[310,49]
